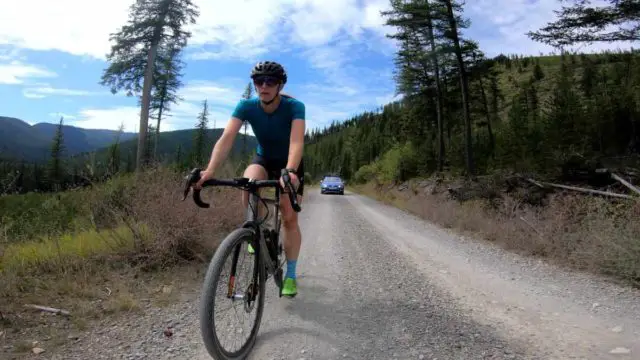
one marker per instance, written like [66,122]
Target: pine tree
[538,74]
[200,138]
[455,24]
[113,157]
[167,82]
[564,114]
[151,25]
[55,169]
[581,23]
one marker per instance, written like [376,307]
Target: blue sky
[335,51]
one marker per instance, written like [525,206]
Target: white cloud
[16,72]
[9,54]
[44,91]
[110,119]
[505,31]
[58,115]
[199,90]
[84,31]
[220,100]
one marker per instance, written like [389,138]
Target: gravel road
[378,283]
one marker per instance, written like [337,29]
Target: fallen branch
[535,183]
[533,227]
[48,309]
[626,183]
[591,191]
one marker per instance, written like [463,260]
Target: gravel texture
[378,283]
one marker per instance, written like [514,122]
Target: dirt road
[377,283]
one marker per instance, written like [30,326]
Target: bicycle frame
[252,221]
[251,217]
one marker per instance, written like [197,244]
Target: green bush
[366,173]
[32,215]
[29,215]
[400,163]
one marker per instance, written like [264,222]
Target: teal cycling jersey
[273,131]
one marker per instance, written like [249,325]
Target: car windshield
[332,179]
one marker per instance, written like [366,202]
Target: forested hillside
[64,169]
[468,114]
[21,141]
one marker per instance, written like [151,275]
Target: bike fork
[232,276]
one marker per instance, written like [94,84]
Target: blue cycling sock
[291,269]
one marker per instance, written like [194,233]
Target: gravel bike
[264,238]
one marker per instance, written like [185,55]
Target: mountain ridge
[21,141]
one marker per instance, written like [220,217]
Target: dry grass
[585,233]
[119,257]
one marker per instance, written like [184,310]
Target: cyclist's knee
[289,216]
[255,171]
[290,220]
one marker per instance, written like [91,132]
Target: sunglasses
[267,80]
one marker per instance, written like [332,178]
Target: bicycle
[267,246]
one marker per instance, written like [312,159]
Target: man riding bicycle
[278,122]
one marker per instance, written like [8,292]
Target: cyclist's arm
[296,145]
[224,143]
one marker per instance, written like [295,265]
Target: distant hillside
[21,141]
[172,144]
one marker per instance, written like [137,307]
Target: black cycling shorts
[274,168]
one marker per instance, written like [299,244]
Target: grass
[581,232]
[54,253]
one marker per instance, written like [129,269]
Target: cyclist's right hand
[204,176]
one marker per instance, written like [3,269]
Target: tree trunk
[163,95]
[436,68]
[464,82]
[488,115]
[144,112]
[146,88]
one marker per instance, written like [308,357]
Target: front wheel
[222,292]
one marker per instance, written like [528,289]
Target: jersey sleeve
[298,110]
[240,111]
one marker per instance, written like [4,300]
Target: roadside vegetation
[104,250]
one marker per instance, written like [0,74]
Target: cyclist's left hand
[294,181]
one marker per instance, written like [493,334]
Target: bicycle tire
[207,302]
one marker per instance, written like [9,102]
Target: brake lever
[292,195]
[191,179]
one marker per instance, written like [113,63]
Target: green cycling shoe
[289,288]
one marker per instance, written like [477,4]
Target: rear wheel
[221,291]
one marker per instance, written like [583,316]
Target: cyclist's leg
[256,170]
[292,236]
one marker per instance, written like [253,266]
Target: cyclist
[278,122]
